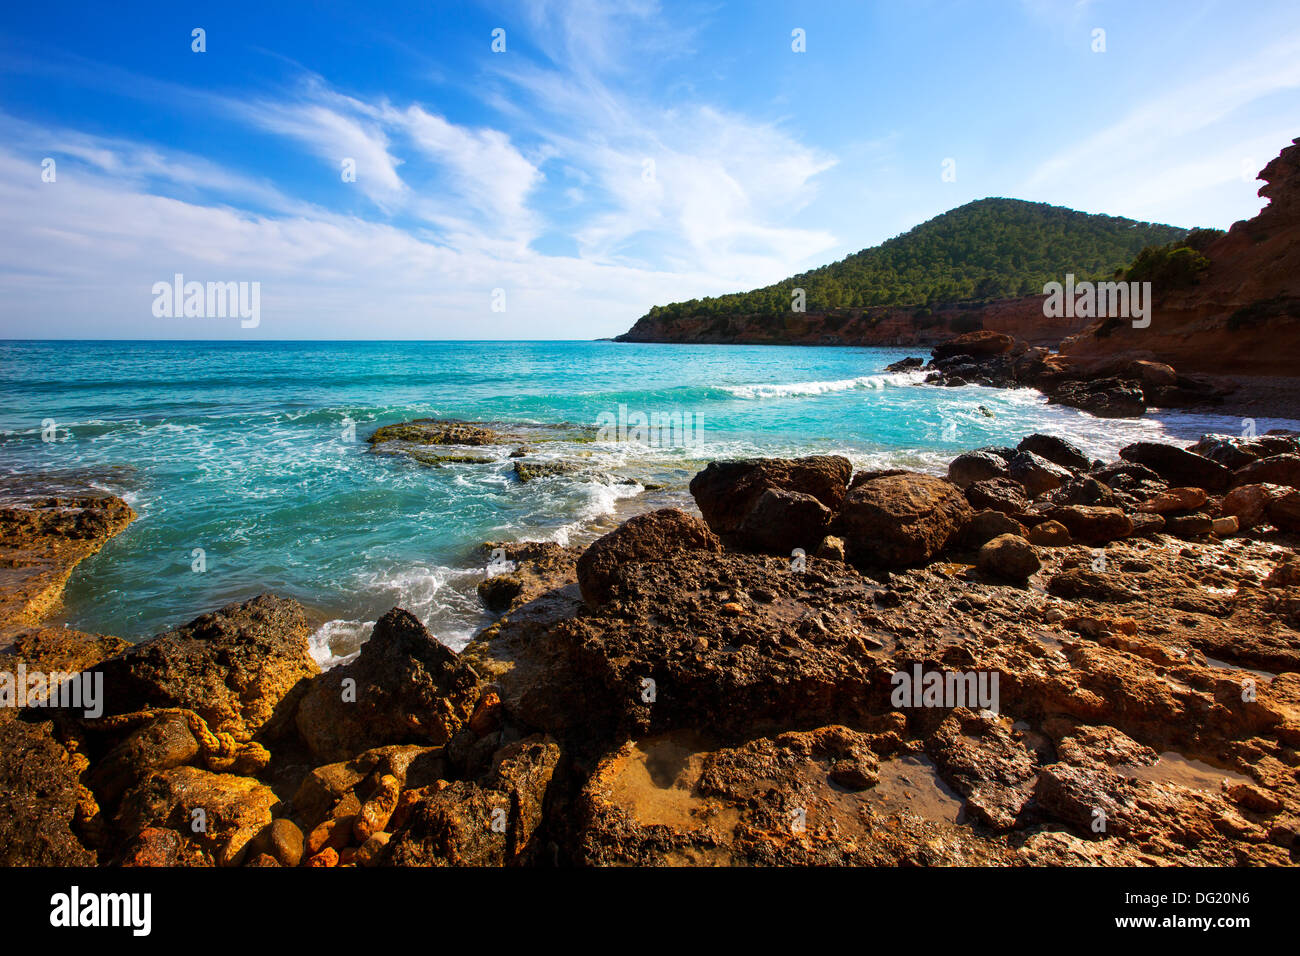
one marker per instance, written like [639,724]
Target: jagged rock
[987,765]
[39,798]
[999,494]
[1080,491]
[656,536]
[159,846]
[1056,450]
[404,687]
[1236,452]
[531,471]
[831,548]
[904,365]
[902,519]
[1126,475]
[494,823]
[432,431]
[1103,397]
[220,812]
[975,344]
[242,668]
[1178,467]
[533,566]
[41,541]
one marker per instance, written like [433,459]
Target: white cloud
[454,211]
[488,173]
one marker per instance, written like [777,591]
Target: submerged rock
[433,431]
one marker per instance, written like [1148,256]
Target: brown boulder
[1178,467]
[655,536]
[1051,534]
[1037,474]
[1174,499]
[1056,450]
[902,519]
[1249,504]
[1010,557]
[781,521]
[976,466]
[221,812]
[986,525]
[1276,470]
[727,491]
[1091,525]
[999,494]
[1285,511]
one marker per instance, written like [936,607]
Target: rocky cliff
[1243,316]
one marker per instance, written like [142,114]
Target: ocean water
[256,454]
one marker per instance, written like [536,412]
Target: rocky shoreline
[749,688]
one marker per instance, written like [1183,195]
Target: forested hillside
[988,249]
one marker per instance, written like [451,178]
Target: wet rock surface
[1101,671]
[42,540]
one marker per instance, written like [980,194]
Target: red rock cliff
[1243,316]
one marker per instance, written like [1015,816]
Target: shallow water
[1173,767]
[243,450]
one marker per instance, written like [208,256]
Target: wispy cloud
[1155,153]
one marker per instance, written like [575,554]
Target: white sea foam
[793,389]
[444,599]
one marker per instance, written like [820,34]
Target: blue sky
[616,155]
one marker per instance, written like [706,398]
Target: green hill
[987,249]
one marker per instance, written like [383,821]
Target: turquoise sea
[244,450]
